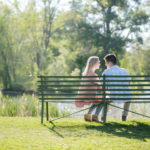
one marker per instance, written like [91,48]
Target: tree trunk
[6,74]
[38,59]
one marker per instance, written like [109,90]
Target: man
[114,70]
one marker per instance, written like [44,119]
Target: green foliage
[137,61]
[47,41]
[26,106]
[19,106]
[54,111]
[109,25]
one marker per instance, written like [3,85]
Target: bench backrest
[64,89]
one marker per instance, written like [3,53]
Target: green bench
[64,89]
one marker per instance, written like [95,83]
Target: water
[112,113]
[143,108]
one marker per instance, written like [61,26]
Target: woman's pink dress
[90,98]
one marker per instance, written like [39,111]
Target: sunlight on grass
[27,133]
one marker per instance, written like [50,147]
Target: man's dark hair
[111,58]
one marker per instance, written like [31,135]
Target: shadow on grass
[133,129]
[53,129]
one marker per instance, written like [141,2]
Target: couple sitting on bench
[92,65]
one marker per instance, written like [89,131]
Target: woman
[92,65]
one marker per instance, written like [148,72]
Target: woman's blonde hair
[89,65]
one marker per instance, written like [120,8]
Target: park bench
[64,89]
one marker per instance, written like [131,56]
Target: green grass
[26,133]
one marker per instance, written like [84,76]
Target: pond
[112,113]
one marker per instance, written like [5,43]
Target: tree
[6,54]
[136,61]
[110,24]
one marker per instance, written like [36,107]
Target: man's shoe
[87,117]
[124,118]
[95,118]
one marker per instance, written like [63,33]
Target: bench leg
[105,112]
[47,116]
[42,112]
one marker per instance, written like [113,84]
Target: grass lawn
[18,133]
